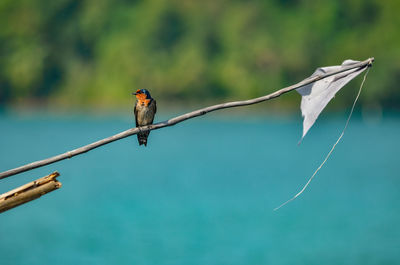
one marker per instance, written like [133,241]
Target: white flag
[317,95]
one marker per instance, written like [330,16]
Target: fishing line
[333,147]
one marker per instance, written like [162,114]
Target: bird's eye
[138,91]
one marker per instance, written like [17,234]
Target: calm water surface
[203,191]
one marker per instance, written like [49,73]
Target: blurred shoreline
[281,106]
[267,110]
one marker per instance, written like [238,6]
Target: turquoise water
[203,191]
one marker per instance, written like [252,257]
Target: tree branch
[29,192]
[176,120]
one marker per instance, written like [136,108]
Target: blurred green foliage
[78,53]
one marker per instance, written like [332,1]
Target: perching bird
[145,109]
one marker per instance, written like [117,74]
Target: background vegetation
[93,53]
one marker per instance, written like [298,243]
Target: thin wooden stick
[29,192]
[178,119]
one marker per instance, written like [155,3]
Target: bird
[144,110]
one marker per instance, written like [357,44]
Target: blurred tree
[77,53]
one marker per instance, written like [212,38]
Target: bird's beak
[134,93]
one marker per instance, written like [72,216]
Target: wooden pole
[178,119]
[29,192]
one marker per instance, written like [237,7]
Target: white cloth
[317,95]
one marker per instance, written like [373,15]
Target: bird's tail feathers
[142,138]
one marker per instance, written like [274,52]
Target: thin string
[333,147]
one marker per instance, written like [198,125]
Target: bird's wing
[153,105]
[135,112]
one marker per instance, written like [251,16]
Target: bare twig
[29,192]
[176,120]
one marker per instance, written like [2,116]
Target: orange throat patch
[142,100]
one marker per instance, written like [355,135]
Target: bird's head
[142,94]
